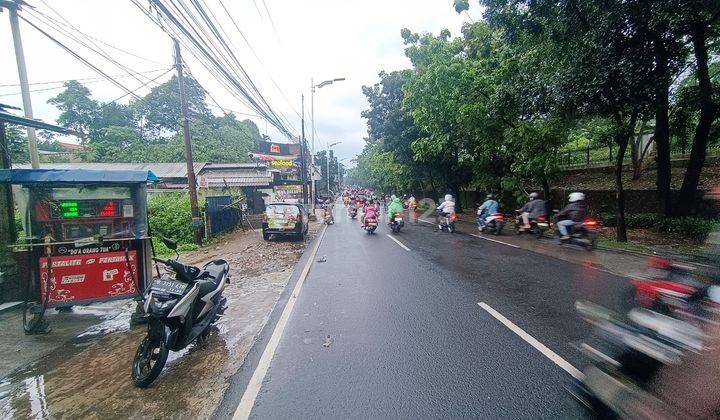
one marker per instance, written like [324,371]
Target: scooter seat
[214,271]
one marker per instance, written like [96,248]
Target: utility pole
[328,171]
[192,185]
[13,7]
[313,187]
[303,176]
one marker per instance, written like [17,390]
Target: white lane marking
[253,389]
[494,240]
[425,221]
[398,242]
[567,367]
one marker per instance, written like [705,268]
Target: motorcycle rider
[487,208]
[573,213]
[447,207]
[532,210]
[370,212]
[395,207]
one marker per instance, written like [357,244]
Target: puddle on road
[89,377]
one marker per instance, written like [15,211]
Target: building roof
[161,170]
[213,176]
[77,176]
[174,175]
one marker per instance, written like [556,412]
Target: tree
[603,58]
[77,109]
[160,109]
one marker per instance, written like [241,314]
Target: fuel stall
[85,237]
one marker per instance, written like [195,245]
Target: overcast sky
[321,39]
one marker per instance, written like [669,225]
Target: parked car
[285,219]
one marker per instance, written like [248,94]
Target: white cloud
[321,39]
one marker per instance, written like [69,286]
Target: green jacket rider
[395,207]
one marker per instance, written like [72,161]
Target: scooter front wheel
[149,361]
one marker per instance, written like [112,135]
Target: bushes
[169,215]
[692,227]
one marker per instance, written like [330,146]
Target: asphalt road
[379,331]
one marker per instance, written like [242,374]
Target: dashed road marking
[398,242]
[494,240]
[253,389]
[564,364]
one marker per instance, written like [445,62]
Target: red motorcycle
[669,287]
[371,224]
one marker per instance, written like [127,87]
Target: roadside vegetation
[499,106]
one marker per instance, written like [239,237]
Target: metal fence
[222,214]
[607,155]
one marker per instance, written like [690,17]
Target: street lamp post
[327,159]
[312,129]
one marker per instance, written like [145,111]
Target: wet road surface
[386,329]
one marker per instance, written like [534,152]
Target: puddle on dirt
[90,375]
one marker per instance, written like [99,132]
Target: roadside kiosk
[86,236]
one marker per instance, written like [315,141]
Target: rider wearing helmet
[447,207]
[488,207]
[370,211]
[532,209]
[574,212]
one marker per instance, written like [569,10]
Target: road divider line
[567,367]
[253,388]
[494,240]
[398,242]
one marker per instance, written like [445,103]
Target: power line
[206,39]
[96,39]
[272,23]
[143,85]
[258,57]
[76,55]
[88,43]
[85,79]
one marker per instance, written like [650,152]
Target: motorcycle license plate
[543,225]
[398,219]
[168,286]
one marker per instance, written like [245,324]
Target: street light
[312,126]
[327,158]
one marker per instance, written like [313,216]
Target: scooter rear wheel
[149,361]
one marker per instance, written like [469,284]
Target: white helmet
[576,196]
[448,197]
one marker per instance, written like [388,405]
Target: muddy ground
[88,375]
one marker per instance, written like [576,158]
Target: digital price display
[73,209]
[69,209]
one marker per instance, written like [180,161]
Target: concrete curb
[9,306]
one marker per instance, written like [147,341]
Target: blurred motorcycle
[447,221]
[492,224]
[641,359]
[538,226]
[584,233]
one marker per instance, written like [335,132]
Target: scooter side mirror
[170,243]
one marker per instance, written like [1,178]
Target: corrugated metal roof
[236,177]
[161,170]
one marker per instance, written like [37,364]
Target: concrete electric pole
[13,7]
[192,185]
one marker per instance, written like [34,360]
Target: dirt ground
[88,376]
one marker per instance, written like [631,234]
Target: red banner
[88,277]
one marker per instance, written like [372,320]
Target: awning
[27,122]
[74,176]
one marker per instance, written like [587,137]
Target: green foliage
[169,215]
[149,130]
[692,227]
